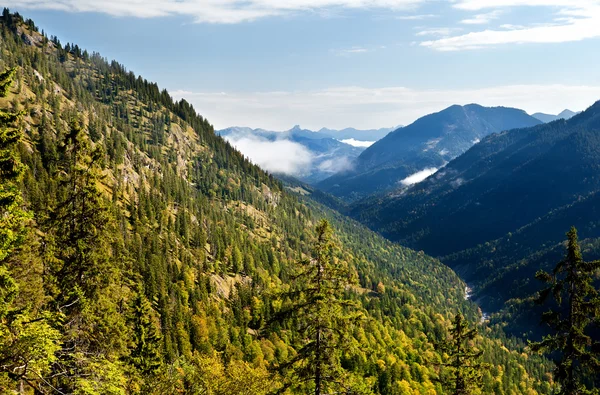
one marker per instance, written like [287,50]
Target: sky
[366,64]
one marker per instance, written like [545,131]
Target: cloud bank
[280,156]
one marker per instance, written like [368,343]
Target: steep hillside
[428,143]
[506,200]
[154,253]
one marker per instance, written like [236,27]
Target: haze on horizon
[342,63]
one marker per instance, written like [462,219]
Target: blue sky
[342,63]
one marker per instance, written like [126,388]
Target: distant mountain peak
[427,143]
[565,114]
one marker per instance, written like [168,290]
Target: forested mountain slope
[494,211]
[154,252]
[428,143]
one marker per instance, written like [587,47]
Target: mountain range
[308,155]
[421,148]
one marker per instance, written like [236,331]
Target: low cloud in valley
[418,176]
[280,156]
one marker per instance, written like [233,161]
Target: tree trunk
[318,372]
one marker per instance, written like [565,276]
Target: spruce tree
[571,283]
[463,370]
[88,290]
[146,352]
[316,308]
[80,222]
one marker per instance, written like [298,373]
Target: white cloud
[280,156]
[418,176]
[366,108]
[208,11]
[335,165]
[439,31]
[358,143]
[575,20]
[482,19]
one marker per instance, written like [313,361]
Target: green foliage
[572,285]
[79,222]
[462,371]
[12,217]
[322,318]
[146,353]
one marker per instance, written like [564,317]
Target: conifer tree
[317,309]
[80,221]
[462,371]
[571,283]
[146,354]
[88,289]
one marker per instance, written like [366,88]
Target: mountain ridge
[429,142]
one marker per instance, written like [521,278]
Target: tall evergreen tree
[571,283]
[80,222]
[463,370]
[318,310]
[146,352]
[87,289]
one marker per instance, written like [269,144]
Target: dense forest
[140,253]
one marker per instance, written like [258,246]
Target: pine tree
[462,371]
[316,307]
[571,283]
